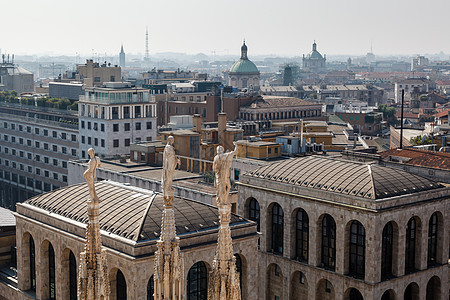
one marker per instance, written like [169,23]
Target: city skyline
[287,29]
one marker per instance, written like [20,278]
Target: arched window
[121,286]
[253,212]
[197,282]
[51,272]
[239,270]
[328,243]
[387,246]
[357,250]
[355,295]
[410,249]
[72,276]
[32,265]
[150,289]
[277,229]
[432,239]
[301,236]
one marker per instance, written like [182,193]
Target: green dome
[244,66]
[314,55]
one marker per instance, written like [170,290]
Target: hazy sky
[278,27]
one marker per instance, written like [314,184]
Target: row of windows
[40,131]
[36,145]
[34,183]
[197,278]
[113,112]
[46,160]
[356,241]
[126,142]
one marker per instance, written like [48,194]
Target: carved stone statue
[90,173]
[170,161]
[221,166]
[224,283]
[169,267]
[93,277]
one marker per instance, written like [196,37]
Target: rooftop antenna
[146,43]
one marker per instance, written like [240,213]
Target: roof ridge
[372,181]
[144,216]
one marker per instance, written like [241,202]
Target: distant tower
[122,57]
[147,56]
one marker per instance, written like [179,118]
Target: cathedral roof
[361,180]
[130,212]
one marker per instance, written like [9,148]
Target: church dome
[244,65]
[314,54]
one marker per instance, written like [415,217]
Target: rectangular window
[127,142]
[149,139]
[116,143]
[116,127]
[36,130]
[29,129]
[46,132]
[29,143]
[102,127]
[73,138]
[64,178]
[127,126]
[46,160]
[55,134]
[45,146]
[96,79]
[37,144]
[89,140]
[46,173]
[96,126]
[82,124]
[95,141]
[55,148]
[138,126]
[74,152]
[64,164]
[83,139]
[55,162]
[21,141]
[13,139]
[149,125]
[21,153]
[55,176]
[102,143]
[38,171]
[29,156]
[64,150]
[38,157]
[89,125]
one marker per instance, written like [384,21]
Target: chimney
[222,126]
[197,123]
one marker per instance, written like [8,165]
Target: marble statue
[90,174]
[224,283]
[221,167]
[170,161]
[93,277]
[168,268]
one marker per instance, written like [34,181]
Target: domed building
[244,73]
[314,61]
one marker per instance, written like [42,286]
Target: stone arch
[388,295]
[326,241]
[355,249]
[67,277]
[275,213]
[389,250]
[411,292]
[151,288]
[253,211]
[242,270]
[434,288]
[299,286]
[413,245]
[353,294]
[274,281]
[435,244]
[300,235]
[47,278]
[116,283]
[325,290]
[28,261]
[197,281]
